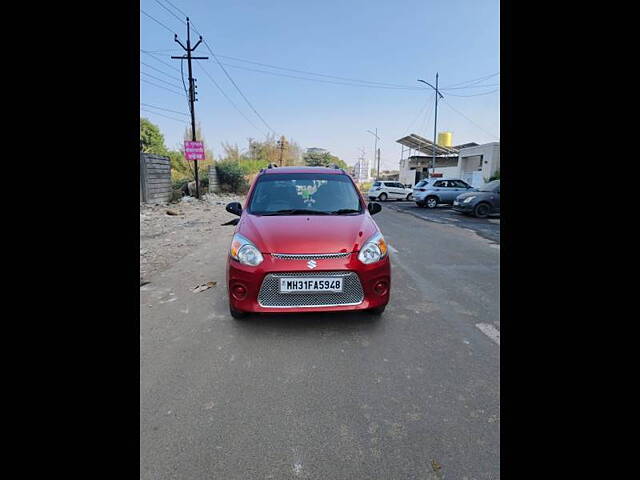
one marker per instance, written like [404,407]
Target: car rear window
[376,184]
[421,183]
[304,193]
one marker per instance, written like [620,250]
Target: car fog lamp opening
[374,250]
[239,292]
[381,287]
[244,251]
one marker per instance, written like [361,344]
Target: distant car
[434,191]
[384,191]
[480,203]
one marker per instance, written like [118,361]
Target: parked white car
[435,191]
[384,191]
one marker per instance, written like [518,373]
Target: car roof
[337,171]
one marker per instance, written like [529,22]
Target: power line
[159,60]
[178,10]
[229,99]
[158,70]
[165,116]
[319,74]
[424,107]
[473,81]
[157,21]
[206,44]
[472,86]
[474,123]
[322,81]
[165,109]
[160,86]
[179,19]
[475,95]
[159,79]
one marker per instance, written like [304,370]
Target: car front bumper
[253,279]
[462,207]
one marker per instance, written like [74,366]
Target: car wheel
[376,311]
[432,202]
[481,210]
[409,197]
[237,314]
[382,197]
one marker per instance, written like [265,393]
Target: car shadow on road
[311,321]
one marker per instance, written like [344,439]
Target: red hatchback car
[306,242]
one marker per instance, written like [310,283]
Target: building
[361,172]
[472,162]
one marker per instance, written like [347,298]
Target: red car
[306,242]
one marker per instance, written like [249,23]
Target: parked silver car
[434,191]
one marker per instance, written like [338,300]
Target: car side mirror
[374,208]
[235,208]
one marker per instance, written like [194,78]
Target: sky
[389,42]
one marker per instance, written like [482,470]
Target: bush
[231,177]
[495,176]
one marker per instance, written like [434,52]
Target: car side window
[440,183]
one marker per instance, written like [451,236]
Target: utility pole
[435,122]
[192,89]
[375,149]
[281,143]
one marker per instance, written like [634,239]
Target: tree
[325,159]
[151,139]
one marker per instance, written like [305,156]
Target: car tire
[432,202]
[237,314]
[376,311]
[409,197]
[481,210]
[383,197]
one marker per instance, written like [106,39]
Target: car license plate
[310,284]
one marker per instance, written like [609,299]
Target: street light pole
[375,149]
[435,123]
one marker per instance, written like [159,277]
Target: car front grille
[310,256]
[270,295]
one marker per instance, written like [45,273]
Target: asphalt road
[411,395]
[488,228]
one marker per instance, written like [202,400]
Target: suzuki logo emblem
[312,264]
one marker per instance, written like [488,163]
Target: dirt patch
[166,238]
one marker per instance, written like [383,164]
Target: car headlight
[374,249]
[468,199]
[244,251]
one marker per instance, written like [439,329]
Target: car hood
[307,233]
[471,193]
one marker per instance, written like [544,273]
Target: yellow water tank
[444,139]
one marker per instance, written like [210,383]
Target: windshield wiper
[344,211]
[296,211]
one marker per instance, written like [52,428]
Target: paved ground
[412,395]
[488,228]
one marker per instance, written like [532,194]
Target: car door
[459,187]
[496,202]
[439,188]
[448,192]
[400,193]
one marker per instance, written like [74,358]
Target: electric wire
[165,109]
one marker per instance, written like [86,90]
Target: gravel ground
[166,238]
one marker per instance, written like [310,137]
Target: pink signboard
[193,150]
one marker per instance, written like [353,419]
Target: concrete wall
[155,178]
[468,161]
[214,184]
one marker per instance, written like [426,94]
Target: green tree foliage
[231,176]
[151,139]
[324,159]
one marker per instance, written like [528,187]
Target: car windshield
[491,186]
[304,194]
